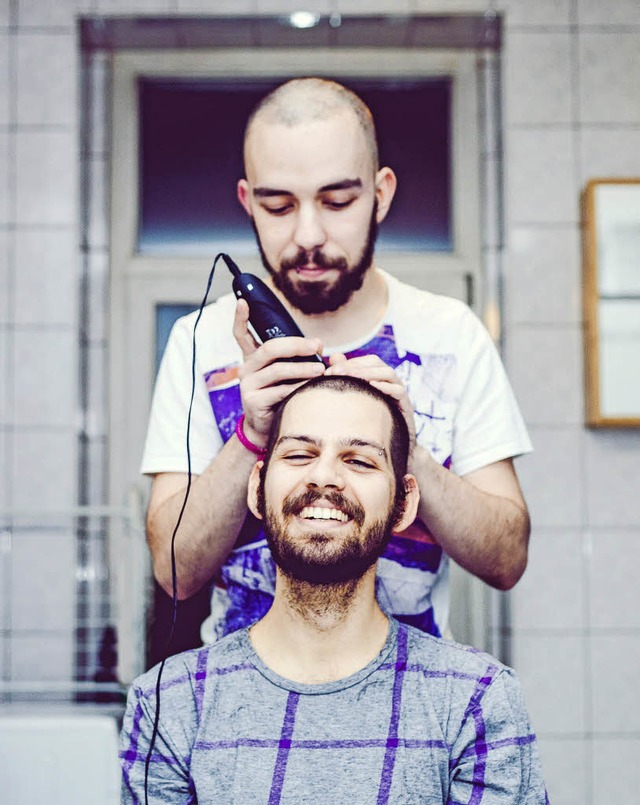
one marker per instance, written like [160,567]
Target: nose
[325,473]
[309,232]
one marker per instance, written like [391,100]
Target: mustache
[296,504]
[317,257]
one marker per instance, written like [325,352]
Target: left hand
[374,370]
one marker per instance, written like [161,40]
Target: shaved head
[306,100]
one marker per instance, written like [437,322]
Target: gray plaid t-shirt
[427,721]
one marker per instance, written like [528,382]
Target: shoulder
[218,313]
[426,310]
[182,672]
[448,658]
[213,327]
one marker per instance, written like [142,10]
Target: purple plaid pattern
[426,722]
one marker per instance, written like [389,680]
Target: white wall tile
[47,177]
[552,672]
[612,473]
[47,81]
[42,657]
[6,205]
[609,77]
[609,152]
[440,6]
[43,569]
[6,336]
[97,391]
[98,191]
[356,7]
[550,595]
[537,77]
[46,386]
[614,570]
[540,12]
[99,276]
[318,6]
[618,12]
[221,6]
[540,186]
[5,13]
[44,471]
[550,477]
[615,661]
[133,6]
[545,368]
[99,114]
[4,487]
[615,762]
[46,277]
[51,14]
[566,770]
[6,296]
[4,79]
[543,276]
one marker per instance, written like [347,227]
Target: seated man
[327,699]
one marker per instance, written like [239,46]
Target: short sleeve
[166,442]
[495,759]
[488,426]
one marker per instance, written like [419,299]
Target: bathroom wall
[571,71]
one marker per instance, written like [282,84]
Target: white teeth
[321,513]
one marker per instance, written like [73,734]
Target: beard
[322,296]
[322,558]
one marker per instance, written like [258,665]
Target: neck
[320,633]
[350,322]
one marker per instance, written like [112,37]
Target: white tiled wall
[571,111]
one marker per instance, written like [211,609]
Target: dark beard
[322,297]
[310,561]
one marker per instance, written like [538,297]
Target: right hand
[266,376]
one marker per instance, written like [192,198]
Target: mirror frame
[591,297]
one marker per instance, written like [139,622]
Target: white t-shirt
[465,413]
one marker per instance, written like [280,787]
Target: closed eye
[338,205]
[281,210]
[361,463]
[297,458]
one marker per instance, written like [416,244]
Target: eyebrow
[343,184]
[354,442]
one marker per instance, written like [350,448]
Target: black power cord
[174,574]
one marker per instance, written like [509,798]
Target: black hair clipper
[267,315]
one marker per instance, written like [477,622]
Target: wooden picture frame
[611,301]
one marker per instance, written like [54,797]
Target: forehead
[316,152]
[331,416]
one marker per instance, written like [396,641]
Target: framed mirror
[611,301]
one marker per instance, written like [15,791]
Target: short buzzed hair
[302,100]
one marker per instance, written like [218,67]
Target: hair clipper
[267,315]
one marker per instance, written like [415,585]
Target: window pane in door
[191,158]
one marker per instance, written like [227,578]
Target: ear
[252,490]
[244,196]
[411,501]
[386,183]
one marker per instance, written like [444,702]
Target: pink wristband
[259,451]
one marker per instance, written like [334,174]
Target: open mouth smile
[323,513]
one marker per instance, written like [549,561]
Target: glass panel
[618,237]
[166,316]
[190,145]
[619,350]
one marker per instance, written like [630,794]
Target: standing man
[327,699]
[315,195]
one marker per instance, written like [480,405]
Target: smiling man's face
[328,495]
